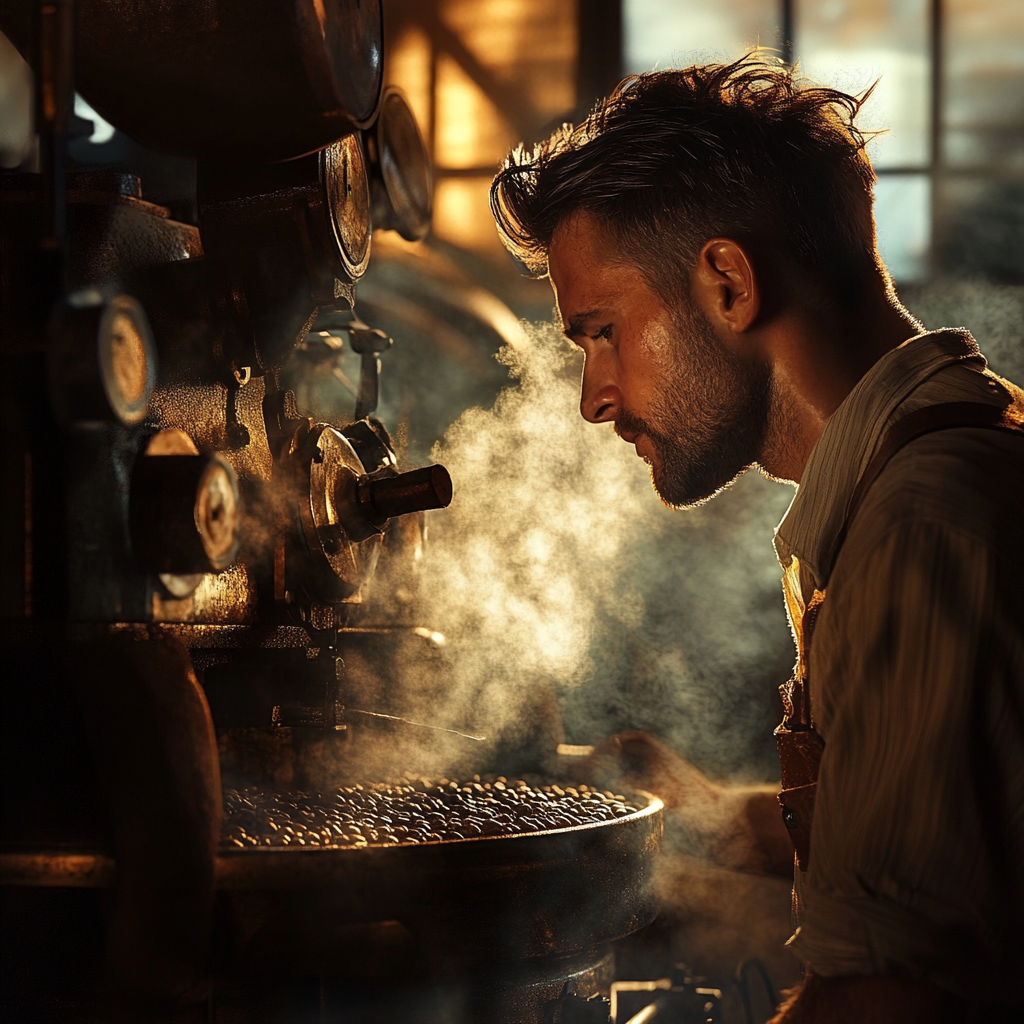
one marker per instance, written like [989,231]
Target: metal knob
[184,513]
[385,497]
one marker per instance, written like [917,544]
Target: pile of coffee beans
[411,811]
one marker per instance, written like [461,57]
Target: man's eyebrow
[574,328]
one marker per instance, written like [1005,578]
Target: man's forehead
[588,281]
[578,263]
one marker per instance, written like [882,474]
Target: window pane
[470,130]
[462,216]
[848,44]
[903,222]
[984,83]
[677,33]
[530,45]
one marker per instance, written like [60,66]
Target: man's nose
[600,400]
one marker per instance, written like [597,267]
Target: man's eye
[605,332]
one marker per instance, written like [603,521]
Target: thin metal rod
[54,82]
[936,32]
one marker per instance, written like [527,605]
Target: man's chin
[681,490]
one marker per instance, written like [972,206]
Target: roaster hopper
[187,557]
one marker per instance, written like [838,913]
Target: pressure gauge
[346,190]
[402,183]
[126,358]
[101,358]
[216,513]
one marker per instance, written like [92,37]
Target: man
[709,237]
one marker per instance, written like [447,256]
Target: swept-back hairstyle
[674,158]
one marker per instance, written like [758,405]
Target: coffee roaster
[187,558]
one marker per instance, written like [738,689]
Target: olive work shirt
[917,683]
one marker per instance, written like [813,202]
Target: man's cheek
[656,342]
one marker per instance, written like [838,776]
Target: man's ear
[725,285]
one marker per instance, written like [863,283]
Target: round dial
[343,562]
[347,194]
[402,172]
[216,512]
[102,360]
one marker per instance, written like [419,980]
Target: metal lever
[383,498]
[368,342]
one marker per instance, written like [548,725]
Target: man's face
[696,413]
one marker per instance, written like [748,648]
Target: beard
[709,423]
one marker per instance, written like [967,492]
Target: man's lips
[637,438]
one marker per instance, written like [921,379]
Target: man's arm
[871,1000]
[738,827]
[741,828]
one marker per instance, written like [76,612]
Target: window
[481,75]
[950,94]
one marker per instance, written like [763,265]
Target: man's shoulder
[968,479]
[965,479]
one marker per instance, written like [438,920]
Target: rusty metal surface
[202,635]
[113,236]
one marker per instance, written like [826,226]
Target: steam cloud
[557,569]
[993,313]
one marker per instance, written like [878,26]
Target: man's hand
[736,826]
[864,1000]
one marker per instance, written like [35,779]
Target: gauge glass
[216,513]
[347,193]
[127,359]
[404,167]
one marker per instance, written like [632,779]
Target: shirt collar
[810,528]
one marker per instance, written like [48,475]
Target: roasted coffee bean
[411,811]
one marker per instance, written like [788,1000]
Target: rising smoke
[993,313]
[557,570]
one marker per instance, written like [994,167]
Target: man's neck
[816,362]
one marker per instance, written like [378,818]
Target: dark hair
[673,158]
